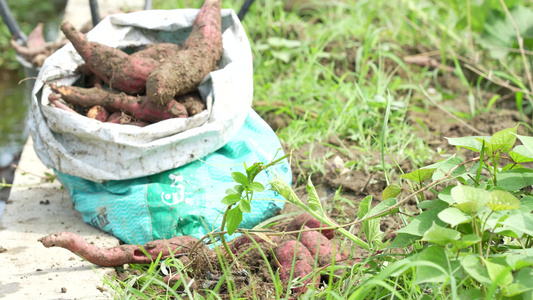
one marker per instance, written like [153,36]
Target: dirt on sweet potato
[192,101]
[201,53]
[118,69]
[138,107]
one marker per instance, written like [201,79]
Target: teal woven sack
[185,200]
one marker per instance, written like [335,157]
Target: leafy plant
[477,233]
[239,198]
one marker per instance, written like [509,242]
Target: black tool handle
[95,14]
[11,24]
[244,8]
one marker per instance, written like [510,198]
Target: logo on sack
[179,195]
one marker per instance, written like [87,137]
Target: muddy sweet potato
[192,102]
[303,263]
[138,107]
[201,53]
[158,52]
[120,255]
[118,69]
[308,220]
[320,247]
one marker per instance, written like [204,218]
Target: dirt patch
[434,129]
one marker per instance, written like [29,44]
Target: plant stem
[222,238]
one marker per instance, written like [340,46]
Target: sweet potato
[192,102]
[120,255]
[158,52]
[303,263]
[320,247]
[308,220]
[244,240]
[139,107]
[116,68]
[98,113]
[201,53]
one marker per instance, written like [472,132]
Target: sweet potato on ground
[320,247]
[139,107]
[120,255]
[302,267]
[201,53]
[308,220]
[116,68]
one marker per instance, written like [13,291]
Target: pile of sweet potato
[309,250]
[157,83]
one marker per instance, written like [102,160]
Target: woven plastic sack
[185,200]
[76,145]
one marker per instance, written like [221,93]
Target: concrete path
[35,209]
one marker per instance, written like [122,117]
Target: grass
[335,82]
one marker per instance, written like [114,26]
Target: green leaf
[504,140]
[421,223]
[469,199]
[519,261]
[371,227]
[233,219]
[499,35]
[402,240]
[238,189]
[244,205]
[527,142]
[364,206]
[446,194]
[522,222]
[445,166]
[511,166]
[515,179]
[313,201]
[521,154]
[231,191]
[522,283]
[257,187]
[441,236]
[428,273]
[466,241]
[501,200]
[383,206]
[468,142]
[499,273]
[454,216]
[472,265]
[240,178]
[284,56]
[526,204]
[419,175]
[231,199]
[426,204]
[391,191]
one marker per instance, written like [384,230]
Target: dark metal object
[148,5]
[244,8]
[11,24]
[95,14]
